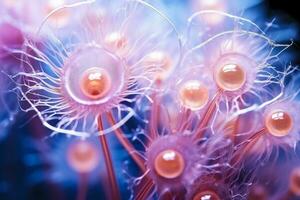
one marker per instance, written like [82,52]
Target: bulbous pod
[194,89]
[96,70]
[240,70]
[171,160]
[271,130]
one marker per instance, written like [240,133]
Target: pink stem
[108,163]
[207,116]
[82,186]
[126,144]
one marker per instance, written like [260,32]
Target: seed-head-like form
[175,162]
[230,68]
[171,160]
[176,158]
[95,70]
[273,125]
[109,60]
[237,54]
[189,99]
[18,25]
[280,121]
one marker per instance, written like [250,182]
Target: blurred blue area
[28,169]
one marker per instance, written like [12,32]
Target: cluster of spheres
[144,99]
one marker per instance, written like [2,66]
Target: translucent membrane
[279,123]
[83,157]
[295,181]
[116,41]
[10,3]
[61,17]
[193,95]
[95,83]
[230,77]
[158,59]
[206,195]
[169,164]
[82,80]
[211,18]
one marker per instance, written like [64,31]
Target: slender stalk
[235,129]
[115,195]
[154,115]
[247,146]
[126,144]
[207,115]
[185,117]
[146,188]
[236,126]
[230,129]
[82,186]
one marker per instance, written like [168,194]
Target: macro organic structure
[205,107]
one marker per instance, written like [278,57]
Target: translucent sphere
[279,123]
[230,77]
[206,195]
[193,95]
[83,157]
[169,164]
[95,83]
